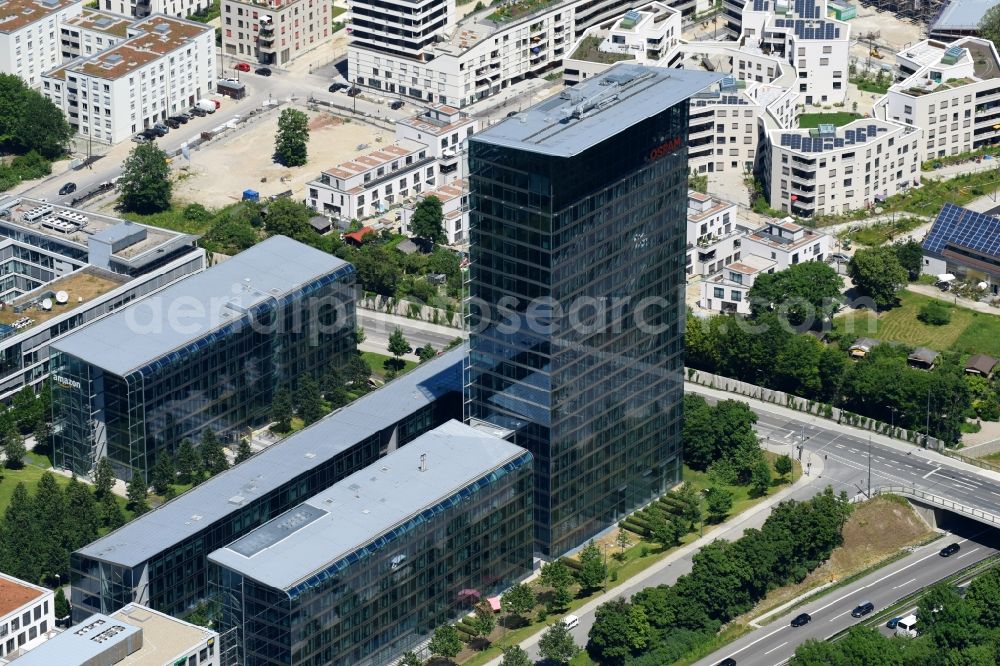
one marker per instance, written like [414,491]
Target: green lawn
[29,476]
[377,362]
[171,219]
[968,332]
[879,234]
[838,118]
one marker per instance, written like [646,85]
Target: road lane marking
[841,615]
[776,648]
[748,645]
[902,584]
[930,472]
[968,553]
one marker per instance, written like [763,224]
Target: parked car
[180,118]
[242,66]
[151,133]
[891,624]
[571,622]
[195,111]
[863,609]
[172,123]
[950,550]
[354,92]
[68,188]
[263,71]
[511,114]
[398,104]
[334,87]
[140,138]
[160,129]
[801,620]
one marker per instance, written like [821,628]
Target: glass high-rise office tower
[577,242]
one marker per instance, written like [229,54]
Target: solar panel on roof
[960,227]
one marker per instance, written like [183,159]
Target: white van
[907,626]
[571,621]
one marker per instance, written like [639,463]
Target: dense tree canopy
[878,275]
[29,121]
[427,220]
[291,141]
[803,293]
[145,184]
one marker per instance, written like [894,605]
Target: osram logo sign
[665,148]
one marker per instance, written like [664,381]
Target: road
[775,643]
[379,326]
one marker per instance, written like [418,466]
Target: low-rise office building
[131,636]
[952,94]
[729,290]
[27,615]
[965,244]
[159,558]
[367,569]
[714,234]
[92,32]
[162,68]
[30,36]
[207,352]
[65,267]
[832,170]
[274,32]
[786,244]
[454,200]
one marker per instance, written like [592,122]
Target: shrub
[934,313]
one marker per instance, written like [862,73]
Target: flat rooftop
[962,15]
[87,284]
[96,21]
[366,505]
[164,638]
[232,490]
[596,109]
[197,305]
[160,36]
[16,14]
[437,120]
[16,593]
[847,137]
[372,160]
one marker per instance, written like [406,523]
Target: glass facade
[225,381]
[389,595]
[576,317]
[175,579]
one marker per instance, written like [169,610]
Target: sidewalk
[732,527]
[934,292]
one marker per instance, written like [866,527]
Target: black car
[195,111]
[950,550]
[728,661]
[263,71]
[354,92]
[337,86]
[398,104]
[150,134]
[172,124]
[891,624]
[180,118]
[512,114]
[863,609]
[68,188]
[801,620]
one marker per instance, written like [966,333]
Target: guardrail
[937,500]
[982,464]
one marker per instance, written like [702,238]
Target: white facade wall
[722,137]
[274,33]
[714,233]
[729,290]
[80,40]
[28,49]
[143,8]
[26,626]
[786,244]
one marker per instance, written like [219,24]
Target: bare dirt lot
[219,172]
[884,28]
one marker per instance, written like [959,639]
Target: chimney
[423,462]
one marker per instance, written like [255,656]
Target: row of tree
[312,400]
[662,623]
[29,122]
[954,631]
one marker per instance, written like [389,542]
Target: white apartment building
[786,243]
[729,290]
[398,27]
[484,53]
[27,614]
[143,8]
[454,200]
[952,93]
[164,66]
[92,32]
[832,170]
[273,32]
[368,185]
[443,129]
[647,35]
[714,234]
[30,36]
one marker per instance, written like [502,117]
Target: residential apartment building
[30,36]
[444,130]
[454,200]
[27,614]
[832,170]
[952,94]
[274,32]
[786,243]
[143,8]
[581,199]
[131,636]
[163,67]
[160,558]
[133,385]
[728,290]
[369,567]
[98,262]
[714,234]
[92,32]
[478,56]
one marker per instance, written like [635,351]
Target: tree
[410,659]
[760,478]
[514,655]
[911,257]
[281,411]
[286,217]
[213,457]
[163,476]
[934,313]
[30,122]
[290,143]
[111,513]
[783,466]
[358,374]
[426,353]
[188,463]
[21,538]
[398,346]
[720,502]
[378,268]
[446,642]
[877,274]
[623,541]
[557,576]
[593,571]
[804,293]
[104,478]
[145,181]
[989,25]
[485,621]
[81,521]
[310,400]
[243,451]
[518,600]
[427,220]
[60,604]
[49,505]
[14,451]
[137,493]
[620,629]
[557,645]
